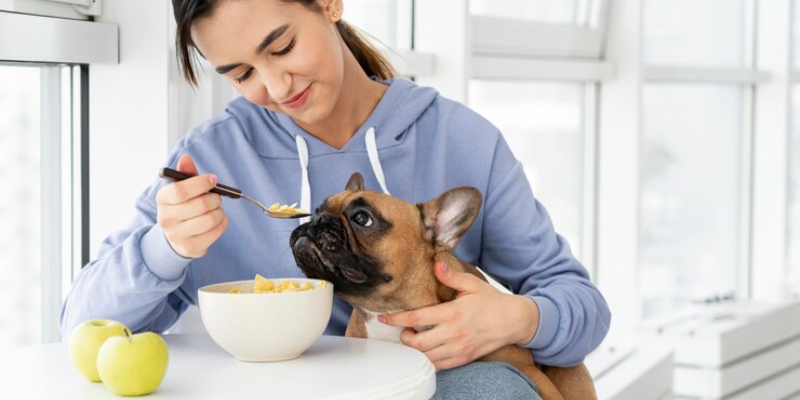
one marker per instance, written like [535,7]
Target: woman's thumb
[460,281]
[186,165]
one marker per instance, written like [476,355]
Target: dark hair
[188,11]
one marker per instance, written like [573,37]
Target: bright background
[661,135]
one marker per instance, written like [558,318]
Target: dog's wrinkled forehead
[334,204]
[348,200]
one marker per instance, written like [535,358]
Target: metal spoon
[227,191]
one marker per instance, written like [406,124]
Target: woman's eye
[245,76]
[281,52]
[362,219]
[286,49]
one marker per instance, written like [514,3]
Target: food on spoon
[286,210]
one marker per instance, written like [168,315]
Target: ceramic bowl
[265,327]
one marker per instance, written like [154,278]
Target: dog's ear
[356,182]
[449,216]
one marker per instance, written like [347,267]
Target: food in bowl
[265,327]
[264,285]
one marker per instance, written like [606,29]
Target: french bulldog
[379,252]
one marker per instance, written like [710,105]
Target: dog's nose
[322,219]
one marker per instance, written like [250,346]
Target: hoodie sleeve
[521,249]
[134,280]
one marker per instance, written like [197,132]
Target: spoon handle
[220,189]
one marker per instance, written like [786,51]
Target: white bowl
[263,327]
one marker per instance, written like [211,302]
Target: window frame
[57,40]
[65,204]
[504,36]
[73,9]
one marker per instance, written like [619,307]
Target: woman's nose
[278,84]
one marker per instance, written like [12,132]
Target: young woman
[319,103]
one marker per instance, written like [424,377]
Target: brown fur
[552,383]
[408,252]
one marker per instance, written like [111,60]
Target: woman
[317,104]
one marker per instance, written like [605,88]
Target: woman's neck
[359,97]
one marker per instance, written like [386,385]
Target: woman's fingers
[182,191]
[192,218]
[426,340]
[196,207]
[197,246]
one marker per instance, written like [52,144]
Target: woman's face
[282,56]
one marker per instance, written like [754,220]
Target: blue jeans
[484,381]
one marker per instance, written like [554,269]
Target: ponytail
[369,58]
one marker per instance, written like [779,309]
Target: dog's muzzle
[321,250]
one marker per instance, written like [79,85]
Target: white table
[333,368]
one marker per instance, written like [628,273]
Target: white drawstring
[305,191]
[302,154]
[372,152]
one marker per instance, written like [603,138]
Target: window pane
[20,249]
[794,191]
[796,33]
[690,172]
[388,21]
[551,11]
[544,125]
[697,33]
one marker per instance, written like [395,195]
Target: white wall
[129,114]
[139,110]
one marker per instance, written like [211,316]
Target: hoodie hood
[399,108]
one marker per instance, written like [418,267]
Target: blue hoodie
[416,144]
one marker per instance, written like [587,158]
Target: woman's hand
[189,215]
[480,320]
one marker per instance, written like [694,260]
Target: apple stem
[128,333]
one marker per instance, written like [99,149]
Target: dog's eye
[362,219]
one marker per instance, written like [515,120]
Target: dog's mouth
[305,242]
[354,276]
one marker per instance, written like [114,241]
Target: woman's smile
[298,100]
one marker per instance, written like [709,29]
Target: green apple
[85,341]
[133,365]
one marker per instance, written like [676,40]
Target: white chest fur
[379,331]
[387,333]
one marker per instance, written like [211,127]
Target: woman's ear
[332,9]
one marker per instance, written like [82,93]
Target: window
[545,125]
[39,171]
[386,21]
[551,11]
[690,199]
[694,174]
[532,69]
[44,164]
[793,212]
[697,33]
[20,246]
[794,193]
